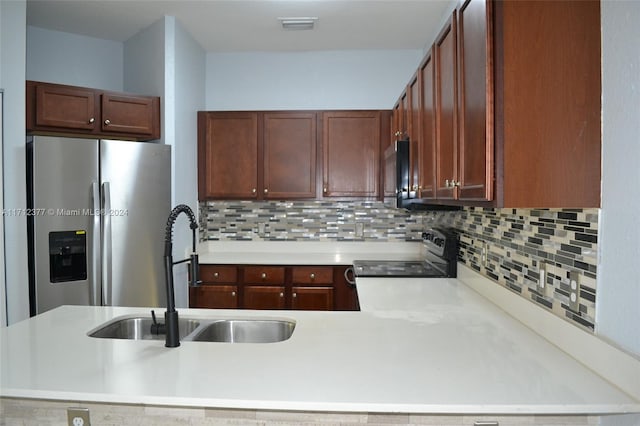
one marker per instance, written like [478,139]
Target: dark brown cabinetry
[427,118]
[351,153]
[515,124]
[219,288]
[289,155]
[256,155]
[69,110]
[446,125]
[228,155]
[273,287]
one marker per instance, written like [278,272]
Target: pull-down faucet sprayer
[172,338]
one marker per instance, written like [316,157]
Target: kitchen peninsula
[419,348]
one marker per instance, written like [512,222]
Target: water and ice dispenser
[67,256]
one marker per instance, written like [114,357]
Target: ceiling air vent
[301,23]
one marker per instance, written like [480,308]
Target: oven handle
[350,281]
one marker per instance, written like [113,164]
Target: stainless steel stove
[440,261]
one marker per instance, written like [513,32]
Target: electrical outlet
[359,229]
[574,291]
[543,287]
[263,228]
[78,416]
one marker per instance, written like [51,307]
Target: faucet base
[172,338]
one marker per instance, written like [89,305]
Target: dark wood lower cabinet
[214,296]
[263,297]
[312,298]
[321,288]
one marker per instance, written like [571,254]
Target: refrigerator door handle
[106,244]
[95,259]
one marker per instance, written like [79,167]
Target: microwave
[397,193]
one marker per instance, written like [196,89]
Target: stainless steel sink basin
[139,328]
[246,331]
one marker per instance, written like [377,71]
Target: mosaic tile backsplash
[516,241]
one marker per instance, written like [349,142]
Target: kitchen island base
[41,412]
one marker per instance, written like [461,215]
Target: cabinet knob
[415,187]
[107,122]
[233,294]
[295,295]
[216,275]
[312,276]
[253,191]
[325,190]
[266,191]
[263,276]
[92,120]
[281,294]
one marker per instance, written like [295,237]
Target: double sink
[252,330]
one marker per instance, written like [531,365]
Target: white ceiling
[250,25]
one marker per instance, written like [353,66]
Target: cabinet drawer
[312,275]
[218,274]
[264,274]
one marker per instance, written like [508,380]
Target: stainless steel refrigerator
[96,216]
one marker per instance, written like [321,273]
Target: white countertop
[306,253]
[419,346]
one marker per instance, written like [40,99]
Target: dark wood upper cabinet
[548,103]
[228,155]
[427,149]
[351,153]
[517,88]
[290,155]
[414,131]
[475,101]
[127,114]
[444,52]
[78,111]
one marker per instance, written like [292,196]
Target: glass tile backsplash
[515,241]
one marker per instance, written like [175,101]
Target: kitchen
[615,216]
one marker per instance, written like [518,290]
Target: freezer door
[64,175]
[136,193]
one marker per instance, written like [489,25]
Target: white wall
[189,98]
[59,57]
[165,60]
[618,293]
[364,79]
[12,76]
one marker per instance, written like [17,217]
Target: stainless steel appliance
[396,169]
[97,211]
[441,257]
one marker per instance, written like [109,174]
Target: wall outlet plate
[359,229]
[77,416]
[574,291]
[484,252]
[543,285]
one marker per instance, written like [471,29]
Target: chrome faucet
[172,337]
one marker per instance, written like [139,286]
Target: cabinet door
[289,143]
[214,296]
[65,107]
[475,101]
[414,133]
[128,114]
[351,148]
[312,298]
[263,297]
[446,124]
[228,155]
[428,120]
